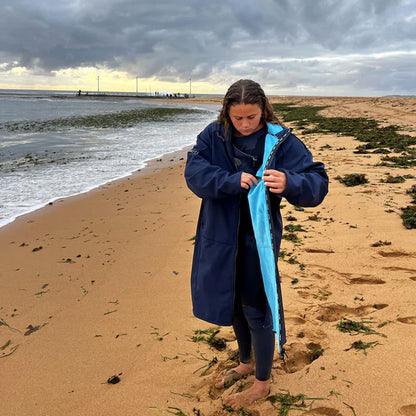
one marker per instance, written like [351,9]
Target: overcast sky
[308,47]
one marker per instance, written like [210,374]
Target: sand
[98,285]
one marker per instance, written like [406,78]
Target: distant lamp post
[137,85]
[98,83]
[190,86]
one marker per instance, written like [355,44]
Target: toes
[233,401]
[219,384]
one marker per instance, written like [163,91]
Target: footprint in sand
[366,281]
[300,355]
[321,294]
[295,320]
[303,294]
[318,250]
[409,410]
[395,254]
[332,312]
[399,269]
[323,411]
[317,276]
[329,272]
[408,320]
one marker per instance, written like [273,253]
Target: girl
[242,166]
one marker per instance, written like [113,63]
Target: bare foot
[229,377]
[258,390]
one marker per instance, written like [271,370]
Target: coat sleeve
[307,181]
[203,176]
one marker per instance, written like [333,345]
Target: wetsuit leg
[242,333]
[253,324]
[263,340]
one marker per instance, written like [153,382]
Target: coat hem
[213,321]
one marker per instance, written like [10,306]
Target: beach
[95,309]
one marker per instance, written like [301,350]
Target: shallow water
[57,147]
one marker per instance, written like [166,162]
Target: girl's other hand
[247,180]
[275,180]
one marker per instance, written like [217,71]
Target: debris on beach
[114,379]
[7,349]
[31,329]
[380,243]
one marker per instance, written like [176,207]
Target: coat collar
[275,133]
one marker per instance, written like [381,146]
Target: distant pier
[96,94]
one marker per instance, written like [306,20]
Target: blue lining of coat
[262,231]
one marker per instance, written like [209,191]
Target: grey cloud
[176,39]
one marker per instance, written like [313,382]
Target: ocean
[55,145]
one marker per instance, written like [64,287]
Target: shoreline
[313,100]
[97,285]
[151,166]
[19,201]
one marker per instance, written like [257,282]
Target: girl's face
[246,118]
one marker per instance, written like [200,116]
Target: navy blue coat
[211,174]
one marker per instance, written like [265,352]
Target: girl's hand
[275,180]
[247,180]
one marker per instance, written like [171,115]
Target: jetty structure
[99,94]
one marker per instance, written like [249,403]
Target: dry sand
[98,285]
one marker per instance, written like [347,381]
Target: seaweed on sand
[377,139]
[240,412]
[393,179]
[11,350]
[4,323]
[289,402]
[353,179]
[409,213]
[294,228]
[120,119]
[175,411]
[207,367]
[363,346]
[409,216]
[354,327]
[412,192]
[209,336]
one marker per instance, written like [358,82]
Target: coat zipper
[269,214]
[237,246]
[272,153]
[276,146]
[235,259]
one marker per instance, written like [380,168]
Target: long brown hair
[245,91]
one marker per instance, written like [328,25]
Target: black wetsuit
[252,320]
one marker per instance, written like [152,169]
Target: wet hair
[245,91]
